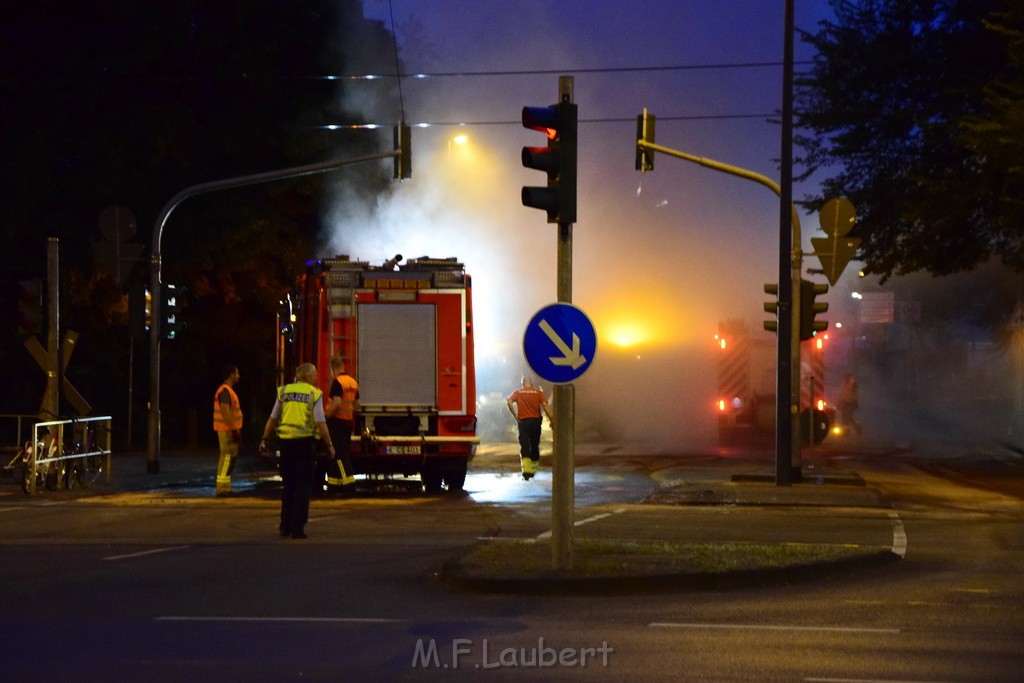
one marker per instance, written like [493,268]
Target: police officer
[297,417]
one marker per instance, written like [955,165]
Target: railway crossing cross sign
[560,343]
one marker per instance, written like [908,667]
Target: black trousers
[298,461]
[341,437]
[529,438]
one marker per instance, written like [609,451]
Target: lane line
[588,520]
[311,620]
[899,535]
[772,627]
[145,552]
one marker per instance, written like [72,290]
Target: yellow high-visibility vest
[297,402]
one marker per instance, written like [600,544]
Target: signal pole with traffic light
[809,309]
[558,199]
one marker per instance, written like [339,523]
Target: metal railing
[51,463]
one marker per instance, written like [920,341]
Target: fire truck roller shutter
[397,354]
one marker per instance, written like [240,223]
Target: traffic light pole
[153,446]
[563,475]
[788,469]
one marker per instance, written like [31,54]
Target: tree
[887,102]
[997,135]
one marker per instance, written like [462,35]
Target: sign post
[559,344]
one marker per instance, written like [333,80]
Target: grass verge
[599,558]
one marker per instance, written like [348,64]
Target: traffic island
[630,566]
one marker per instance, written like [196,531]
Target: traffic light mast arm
[153,445]
[711,163]
[732,170]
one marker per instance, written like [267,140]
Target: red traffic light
[547,120]
[557,160]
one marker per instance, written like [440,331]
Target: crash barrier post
[81,465]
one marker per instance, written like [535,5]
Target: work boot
[529,466]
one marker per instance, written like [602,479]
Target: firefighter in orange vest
[343,401]
[529,401]
[227,422]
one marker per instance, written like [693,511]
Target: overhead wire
[398,67]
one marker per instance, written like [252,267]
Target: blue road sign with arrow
[560,343]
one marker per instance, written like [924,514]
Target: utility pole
[787,397]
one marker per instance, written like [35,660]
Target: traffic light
[30,306]
[809,308]
[558,160]
[772,307]
[644,133]
[170,311]
[286,318]
[140,312]
[403,145]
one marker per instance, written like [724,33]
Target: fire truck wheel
[431,479]
[455,476]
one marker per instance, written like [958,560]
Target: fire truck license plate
[403,450]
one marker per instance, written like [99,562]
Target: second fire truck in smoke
[746,386]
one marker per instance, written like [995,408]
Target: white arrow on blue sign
[560,343]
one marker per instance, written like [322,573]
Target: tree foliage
[914,107]
[128,103]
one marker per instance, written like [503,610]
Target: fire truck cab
[406,334]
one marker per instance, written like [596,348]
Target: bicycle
[84,470]
[47,475]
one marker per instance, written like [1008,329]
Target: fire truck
[746,386]
[405,331]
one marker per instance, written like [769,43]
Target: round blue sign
[560,343]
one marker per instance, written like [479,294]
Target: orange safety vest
[349,393]
[235,412]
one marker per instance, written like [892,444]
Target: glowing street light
[460,139]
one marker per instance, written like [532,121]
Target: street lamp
[460,139]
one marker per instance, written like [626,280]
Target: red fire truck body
[746,385]
[406,334]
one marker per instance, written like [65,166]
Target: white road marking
[145,552]
[773,627]
[588,520]
[312,620]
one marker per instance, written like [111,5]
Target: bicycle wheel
[91,468]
